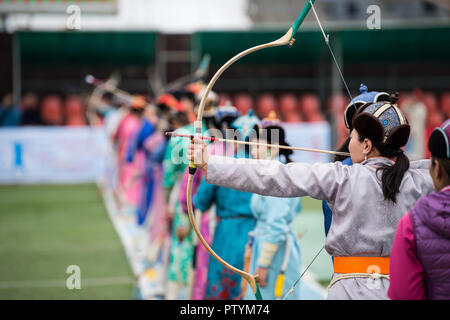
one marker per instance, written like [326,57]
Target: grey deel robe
[363,222]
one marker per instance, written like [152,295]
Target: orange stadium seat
[74,111]
[243,102]
[265,103]
[51,110]
[310,106]
[288,108]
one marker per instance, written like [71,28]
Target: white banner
[76,155]
[52,154]
[309,135]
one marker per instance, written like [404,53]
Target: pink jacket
[405,270]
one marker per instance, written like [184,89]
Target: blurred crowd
[425,109]
[50,110]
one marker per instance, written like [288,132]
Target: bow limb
[286,39]
[251,279]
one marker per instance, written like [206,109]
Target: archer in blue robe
[235,221]
[274,218]
[151,157]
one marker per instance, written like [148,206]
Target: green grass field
[310,224]
[46,228]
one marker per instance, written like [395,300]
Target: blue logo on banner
[18,155]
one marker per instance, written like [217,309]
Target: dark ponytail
[392,176]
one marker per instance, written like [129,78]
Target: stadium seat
[445,103]
[51,110]
[430,100]
[265,103]
[224,99]
[243,102]
[310,106]
[288,108]
[74,111]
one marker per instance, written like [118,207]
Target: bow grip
[198,133]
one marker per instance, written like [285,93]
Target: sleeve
[272,178]
[405,270]
[278,209]
[421,168]
[266,254]
[275,236]
[327,213]
[420,164]
[205,196]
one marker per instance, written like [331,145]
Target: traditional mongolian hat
[138,103]
[383,123]
[169,101]
[364,97]
[439,142]
[270,123]
[246,124]
[225,114]
[274,133]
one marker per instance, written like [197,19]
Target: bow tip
[291,42]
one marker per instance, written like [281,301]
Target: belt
[378,265]
[360,267]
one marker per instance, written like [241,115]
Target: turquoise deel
[235,221]
[174,164]
[274,218]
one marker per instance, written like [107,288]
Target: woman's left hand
[262,276]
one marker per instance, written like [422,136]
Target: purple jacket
[430,219]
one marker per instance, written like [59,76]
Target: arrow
[174,134]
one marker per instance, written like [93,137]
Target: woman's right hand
[198,153]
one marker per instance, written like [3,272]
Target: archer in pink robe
[129,186]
